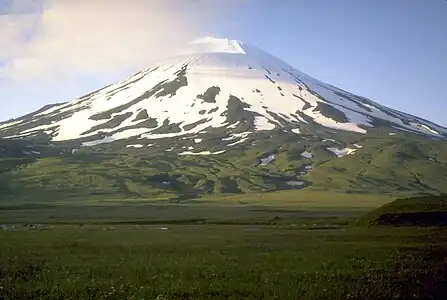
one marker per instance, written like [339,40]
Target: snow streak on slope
[216,83]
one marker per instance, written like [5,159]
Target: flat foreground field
[305,259]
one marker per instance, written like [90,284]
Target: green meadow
[218,249]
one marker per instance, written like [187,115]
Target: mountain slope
[401,165]
[216,84]
[221,117]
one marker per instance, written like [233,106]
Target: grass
[428,210]
[156,213]
[214,250]
[221,262]
[245,208]
[307,199]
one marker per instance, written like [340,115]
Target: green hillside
[400,165]
[422,211]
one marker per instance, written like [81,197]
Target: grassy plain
[213,250]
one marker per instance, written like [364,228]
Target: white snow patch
[202,153]
[237,135]
[268,159]
[117,136]
[431,159]
[197,141]
[17,136]
[97,142]
[242,134]
[423,127]
[238,142]
[262,123]
[216,45]
[41,127]
[392,133]
[9,124]
[308,167]
[151,136]
[357,146]
[135,146]
[295,183]
[341,152]
[306,154]
[30,152]
[232,126]
[220,152]
[296,130]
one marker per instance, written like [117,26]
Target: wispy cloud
[48,41]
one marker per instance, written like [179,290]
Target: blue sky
[391,51]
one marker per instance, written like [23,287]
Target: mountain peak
[211,44]
[220,89]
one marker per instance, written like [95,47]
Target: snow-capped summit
[219,86]
[215,45]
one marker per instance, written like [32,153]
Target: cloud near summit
[50,40]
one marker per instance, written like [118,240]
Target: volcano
[221,117]
[215,83]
